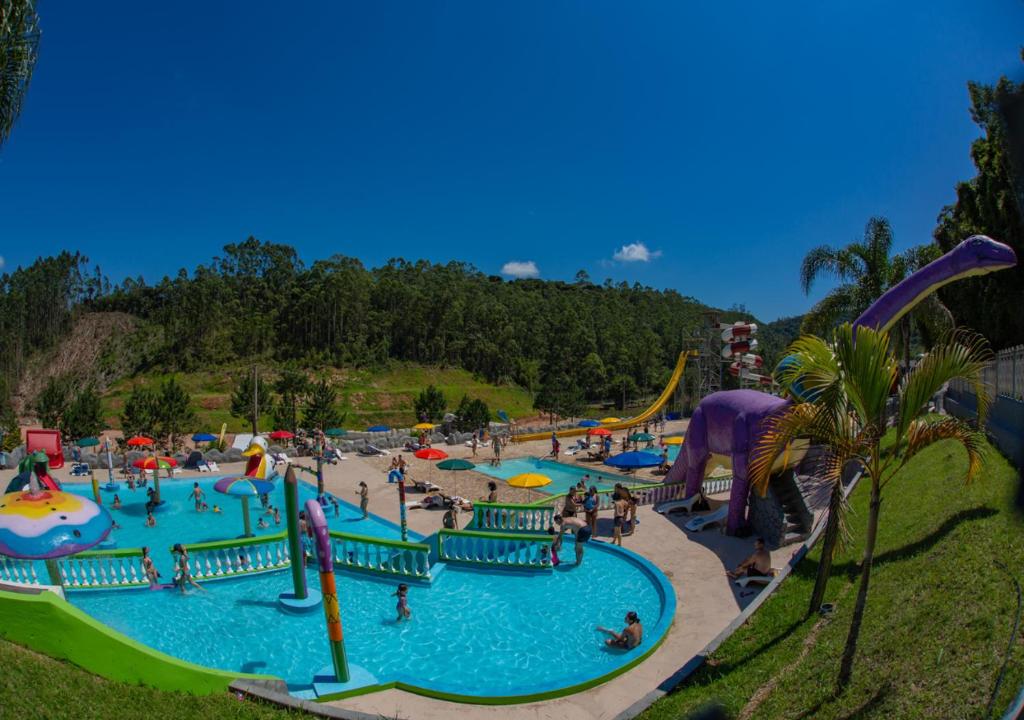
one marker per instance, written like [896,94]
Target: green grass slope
[367,396]
[940,612]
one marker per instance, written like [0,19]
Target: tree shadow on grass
[727,667]
[808,569]
[861,711]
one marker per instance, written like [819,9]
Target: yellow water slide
[640,419]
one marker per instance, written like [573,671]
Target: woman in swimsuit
[152,574]
[620,513]
[630,637]
[404,613]
[183,574]
[590,507]
[117,502]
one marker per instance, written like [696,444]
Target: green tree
[53,402]
[292,385]
[472,414]
[866,269]
[987,205]
[84,416]
[175,414]
[10,430]
[322,409]
[593,375]
[141,412]
[849,417]
[251,399]
[19,41]
[430,405]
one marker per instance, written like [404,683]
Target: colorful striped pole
[332,610]
[291,511]
[401,506]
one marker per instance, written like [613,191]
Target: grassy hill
[367,396]
[939,616]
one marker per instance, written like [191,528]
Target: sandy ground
[695,564]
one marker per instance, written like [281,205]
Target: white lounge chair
[203,466]
[213,466]
[685,505]
[280,458]
[755,579]
[703,522]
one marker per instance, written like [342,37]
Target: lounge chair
[685,505]
[202,466]
[703,522]
[425,486]
[213,466]
[79,469]
[755,579]
[280,457]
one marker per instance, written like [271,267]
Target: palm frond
[923,433]
[19,40]
[822,260]
[962,354]
[839,304]
[869,372]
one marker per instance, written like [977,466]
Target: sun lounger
[425,486]
[703,522]
[213,466]
[675,505]
[202,466]
[755,579]
[280,458]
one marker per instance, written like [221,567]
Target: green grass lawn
[367,396]
[36,687]
[938,619]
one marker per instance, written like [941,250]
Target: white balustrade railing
[103,569]
[495,549]
[231,558]
[21,572]
[390,557]
[498,517]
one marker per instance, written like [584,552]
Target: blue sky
[720,141]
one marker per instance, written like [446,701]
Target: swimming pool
[562,476]
[474,632]
[178,522]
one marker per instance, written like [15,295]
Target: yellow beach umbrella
[528,480]
[611,420]
[424,426]
[674,440]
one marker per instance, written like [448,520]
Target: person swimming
[262,524]
[117,502]
[150,520]
[216,509]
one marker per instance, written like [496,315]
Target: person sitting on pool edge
[630,637]
[581,529]
[757,565]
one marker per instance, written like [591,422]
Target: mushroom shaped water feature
[244,487]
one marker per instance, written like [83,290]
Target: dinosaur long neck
[900,299]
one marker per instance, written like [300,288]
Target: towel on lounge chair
[755,579]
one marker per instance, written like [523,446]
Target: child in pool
[150,520]
[263,524]
[556,545]
[277,516]
[216,509]
[117,502]
[404,613]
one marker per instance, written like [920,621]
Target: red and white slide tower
[739,343]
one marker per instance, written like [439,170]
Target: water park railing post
[332,609]
[401,507]
[302,598]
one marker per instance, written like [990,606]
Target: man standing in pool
[581,529]
[364,498]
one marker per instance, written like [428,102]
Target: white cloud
[521,269]
[635,252]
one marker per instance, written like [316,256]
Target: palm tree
[853,377]
[19,41]
[866,269]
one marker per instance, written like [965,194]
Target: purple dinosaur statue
[729,422]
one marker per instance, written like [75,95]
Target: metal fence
[1004,375]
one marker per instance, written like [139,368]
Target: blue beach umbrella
[378,428]
[203,437]
[244,487]
[588,423]
[633,460]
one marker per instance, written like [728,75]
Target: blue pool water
[473,632]
[178,522]
[562,476]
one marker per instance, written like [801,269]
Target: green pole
[245,516]
[291,509]
[320,477]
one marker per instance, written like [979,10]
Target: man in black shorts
[580,528]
